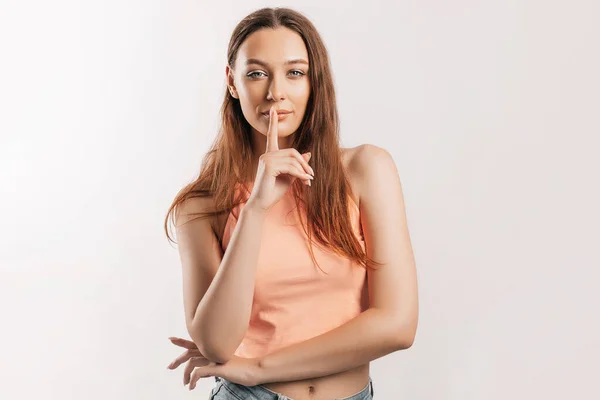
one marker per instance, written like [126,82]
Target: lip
[279,112]
[280,117]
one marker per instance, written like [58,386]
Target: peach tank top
[293,299]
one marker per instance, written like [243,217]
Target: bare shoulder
[348,156]
[363,162]
[188,209]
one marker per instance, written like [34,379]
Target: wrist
[254,210]
[258,373]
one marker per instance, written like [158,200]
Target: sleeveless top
[293,299]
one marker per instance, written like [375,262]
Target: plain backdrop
[489,108]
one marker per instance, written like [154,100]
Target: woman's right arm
[218,290]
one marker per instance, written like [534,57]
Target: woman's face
[271,69]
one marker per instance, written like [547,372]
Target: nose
[276,89]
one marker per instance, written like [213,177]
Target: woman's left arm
[390,323]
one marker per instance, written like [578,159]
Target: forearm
[227,304]
[370,335]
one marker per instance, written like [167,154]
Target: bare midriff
[336,386]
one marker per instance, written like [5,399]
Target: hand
[277,169]
[243,371]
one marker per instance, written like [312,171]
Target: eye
[257,74]
[252,74]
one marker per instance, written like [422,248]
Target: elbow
[405,341]
[405,336]
[210,347]
[214,354]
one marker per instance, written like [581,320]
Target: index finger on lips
[273,132]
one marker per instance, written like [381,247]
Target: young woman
[281,300]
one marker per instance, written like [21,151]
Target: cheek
[250,94]
[302,89]
[250,100]
[300,94]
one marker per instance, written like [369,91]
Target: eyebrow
[264,64]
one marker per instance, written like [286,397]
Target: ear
[230,82]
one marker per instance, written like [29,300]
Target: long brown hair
[228,162]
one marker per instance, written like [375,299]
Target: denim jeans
[227,390]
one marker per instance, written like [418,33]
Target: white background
[489,108]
